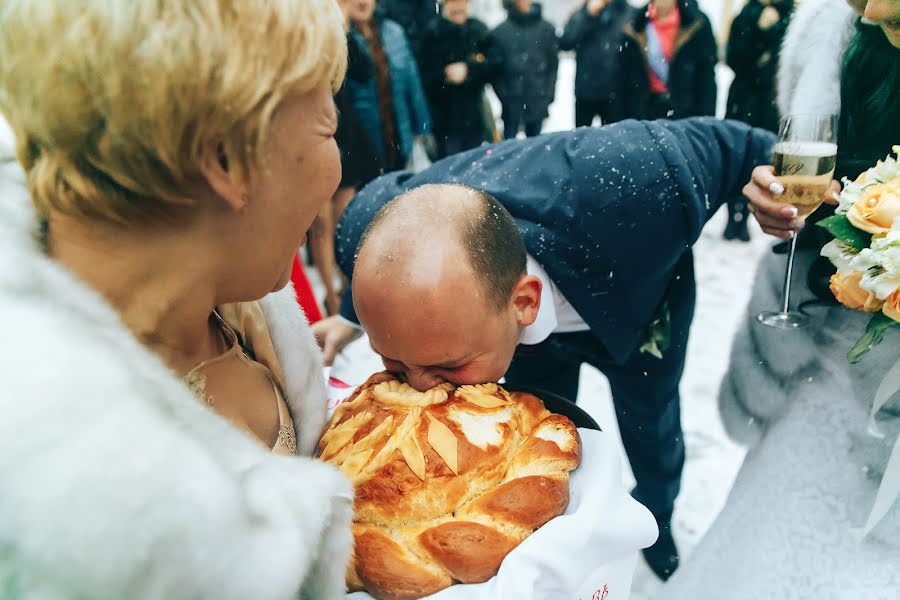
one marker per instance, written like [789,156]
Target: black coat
[457,107]
[753,56]
[692,75]
[360,161]
[528,51]
[597,42]
[611,213]
[413,15]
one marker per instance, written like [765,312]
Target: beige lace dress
[245,392]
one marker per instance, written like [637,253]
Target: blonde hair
[114,101]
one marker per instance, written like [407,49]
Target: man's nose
[423,380]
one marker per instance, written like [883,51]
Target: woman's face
[361,10]
[523,6]
[456,11]
[299,172]
[885,13]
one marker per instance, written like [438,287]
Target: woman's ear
[214,165]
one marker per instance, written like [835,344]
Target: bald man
[531,257]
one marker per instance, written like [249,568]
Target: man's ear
[214,165]
[526,299]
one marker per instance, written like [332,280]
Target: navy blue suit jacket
[611,213]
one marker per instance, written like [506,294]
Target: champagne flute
[804,162]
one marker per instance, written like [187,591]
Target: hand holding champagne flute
[803,167]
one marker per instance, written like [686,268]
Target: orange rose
[846,289]
[877,208]
[892,306]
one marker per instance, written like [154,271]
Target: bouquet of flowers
[866,250]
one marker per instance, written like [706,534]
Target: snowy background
[724,274]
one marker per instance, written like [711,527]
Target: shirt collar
[546,321]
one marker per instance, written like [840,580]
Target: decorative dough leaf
[396,393]
[413,456]
[442,440]
[355,463]
[481,395]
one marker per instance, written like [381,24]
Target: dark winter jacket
[410,105]
[529,51]
[611,213]
[597,42]
[457,107]
[753,56]
[413,16]
[692,77]
[360,162]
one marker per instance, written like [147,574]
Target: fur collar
[809,74]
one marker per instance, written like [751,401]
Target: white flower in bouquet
[883,172]
[880,264]
[841,254]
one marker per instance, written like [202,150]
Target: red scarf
[667,30]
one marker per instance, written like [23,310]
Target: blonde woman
[155,384]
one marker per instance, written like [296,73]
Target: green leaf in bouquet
[840,227]
[875,331]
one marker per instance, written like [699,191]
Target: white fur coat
[115,482]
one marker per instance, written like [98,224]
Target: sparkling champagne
[805,169]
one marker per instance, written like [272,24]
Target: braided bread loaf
[447,481]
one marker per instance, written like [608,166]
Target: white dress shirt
[555,315]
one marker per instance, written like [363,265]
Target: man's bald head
[418,233]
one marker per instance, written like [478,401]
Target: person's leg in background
[342,199]
[512,118]
[321,242]
[736,229]
[533,128]
[610,111]
[585,111]
[460,141]
[646,398]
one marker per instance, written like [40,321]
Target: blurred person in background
[391,105]
[669,63]
[360,164]
[792,525]
[414,16]
[753,50]
[595,33]
[526,81]
[161,398]
[458,60]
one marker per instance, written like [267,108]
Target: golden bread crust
[447,481]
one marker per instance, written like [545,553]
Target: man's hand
[595,7]
[776,218]
[768,18]
[333,335]
[457,72]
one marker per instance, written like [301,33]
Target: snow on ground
[724,275]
